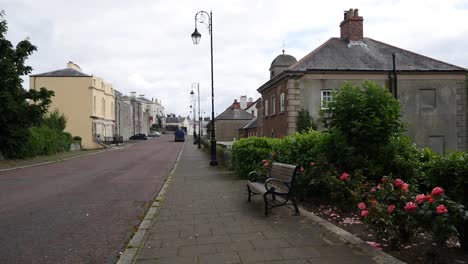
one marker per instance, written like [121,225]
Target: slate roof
[172,120]
[234,114]
[67,72]
[367,55]
[252,124]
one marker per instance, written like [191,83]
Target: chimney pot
[352,26]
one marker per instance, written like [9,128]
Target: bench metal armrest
[273,189]
[256,176]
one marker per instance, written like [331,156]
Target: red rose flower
[420,198]
[391,208]
[429,198]
[410,207]
[398,183]
[441,209]
[344,176]
[364,213]
[437,191]
[405,187]
[361,206]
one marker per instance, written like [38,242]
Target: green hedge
[247,153]
[46,141]
[451,173]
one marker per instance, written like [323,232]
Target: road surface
[81,210]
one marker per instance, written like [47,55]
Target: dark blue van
[179,135]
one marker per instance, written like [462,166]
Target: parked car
[139,136]
[154,134]
[179,135]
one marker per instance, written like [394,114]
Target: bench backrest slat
[284,173]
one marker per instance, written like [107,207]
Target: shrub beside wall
[365,158]
[248,153]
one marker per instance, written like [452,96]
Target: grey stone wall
[145,123]
[434,108]
[125,129]
[462,116]
[123,117]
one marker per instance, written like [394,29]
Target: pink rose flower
[410,207]
[364,213]
[429,198]
[379,186]
[344,176]
[405,187]
[437,191]
[398,183]
[384,179]
[361,206]
[373,190]
[420,198]
[266,164]
[391,208]
[264,161]
[312,164]
[441,209]
[301,170]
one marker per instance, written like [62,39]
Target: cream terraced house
[86,100]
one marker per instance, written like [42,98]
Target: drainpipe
[395,80]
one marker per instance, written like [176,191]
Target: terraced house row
[95,111]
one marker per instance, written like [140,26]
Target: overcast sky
[145,45]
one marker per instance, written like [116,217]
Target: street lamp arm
[199,17]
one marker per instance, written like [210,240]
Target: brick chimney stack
[235,105]
[352,26]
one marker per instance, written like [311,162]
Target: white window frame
[266,107]
[281,102]
[273,105]
[326,96]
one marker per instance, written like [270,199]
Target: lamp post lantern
[196,36]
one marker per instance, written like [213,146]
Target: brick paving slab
[205,218]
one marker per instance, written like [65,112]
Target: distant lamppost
[192,96]
[196,39]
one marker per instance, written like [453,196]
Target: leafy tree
[20,109]
[305,122]
[367,116]
[55,120]
[365,121]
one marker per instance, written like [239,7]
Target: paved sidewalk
[205,218]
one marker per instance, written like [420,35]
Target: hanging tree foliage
[19,109]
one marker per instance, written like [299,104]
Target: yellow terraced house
[86,100]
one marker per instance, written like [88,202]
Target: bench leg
[265,200]
[250,193]
[293,199]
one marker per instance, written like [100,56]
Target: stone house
[227,123]
[87,101]
[432,93]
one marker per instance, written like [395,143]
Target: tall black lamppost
[196,39]
[192,96]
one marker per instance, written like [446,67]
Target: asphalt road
[81,210]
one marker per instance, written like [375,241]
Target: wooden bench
[278,182]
